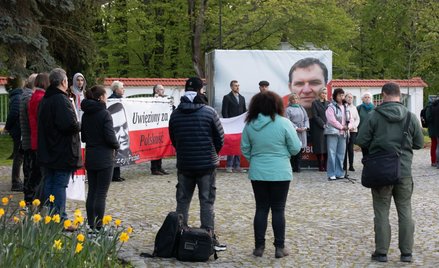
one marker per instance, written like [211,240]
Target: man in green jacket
[382,132]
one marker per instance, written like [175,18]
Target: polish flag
[232,134]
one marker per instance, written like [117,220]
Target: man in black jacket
[59,147]
[13,127]
[197,135]
[233,105]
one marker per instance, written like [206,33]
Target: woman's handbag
[383,168]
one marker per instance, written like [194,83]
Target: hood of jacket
[90,106]
[75,83]
[392,111]
[14,92]
[260,122]
[187,107]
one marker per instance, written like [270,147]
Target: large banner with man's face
[312,71]
[141,127]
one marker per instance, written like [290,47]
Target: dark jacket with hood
[13,120]
[383,132]
[59,146]
[197,135]
[433,119]
[98,134]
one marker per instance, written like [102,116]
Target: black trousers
[350,150]
[16,163]
[98,185]
[116,172]
[33,179]
[156,165]
[295,161]
[270,195]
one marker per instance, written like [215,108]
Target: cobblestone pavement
[329,224]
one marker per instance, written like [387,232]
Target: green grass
[6,147]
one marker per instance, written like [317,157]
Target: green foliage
[6,148]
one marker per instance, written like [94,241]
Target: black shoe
[379,257]
[280,253]
[157,172]
[118,179]
[259,251]
[217,245]
[351,168]
[164,172]
[407,257]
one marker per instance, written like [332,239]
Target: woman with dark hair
[100,145]
[31,192]
[268,141]
[317,127]
[336,134]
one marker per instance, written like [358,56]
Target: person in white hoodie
[78,91]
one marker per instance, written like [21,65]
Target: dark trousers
[33,179]
[270,195]
[295,161]
[16,163]
[98,185]
[116,172]
[350,150]
[27,167]
[156,165]
[205,181]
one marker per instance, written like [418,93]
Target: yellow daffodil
[129,230]
[56,218]
[80,237]
[124,237]
[47,219]
[57,244]
[2,212]
[77,213]
[107,219]
[22,204]
[5,201]
[78,248]
[51,198]
[117,222]
[22,213]
[78,220]
[36,202]
[36,218]
[67,224]
[16,219]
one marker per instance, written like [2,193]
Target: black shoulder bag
[383,168]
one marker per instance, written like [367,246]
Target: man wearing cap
[263,86]
[197,135]
[233,105]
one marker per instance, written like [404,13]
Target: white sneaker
[229,170]
[332,178]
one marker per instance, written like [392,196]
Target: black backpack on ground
[166,240]
[195,245]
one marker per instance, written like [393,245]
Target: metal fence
[4,107]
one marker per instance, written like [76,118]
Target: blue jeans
[206,194]
[233,161]
[55,183]
[336,151]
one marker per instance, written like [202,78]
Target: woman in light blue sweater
[268,141]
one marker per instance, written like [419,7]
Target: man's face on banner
[306,82]
[120,126]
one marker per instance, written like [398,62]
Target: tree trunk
[196,22]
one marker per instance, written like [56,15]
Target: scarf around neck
[368,107]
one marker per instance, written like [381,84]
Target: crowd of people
[273,139]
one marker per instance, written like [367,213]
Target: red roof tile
[133,82]
[414,82]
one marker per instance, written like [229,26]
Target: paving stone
[328,224]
